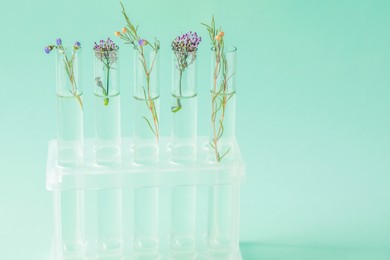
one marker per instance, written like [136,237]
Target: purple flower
[59,41]
[106,50]
[185,47]
[188,42]
[76,45]
[142,42]
[107,45]
[48,49]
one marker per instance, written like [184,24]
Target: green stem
[152,107]
[131,37]
[214,105]
[150,102]
[106,100]
[70,72]
[178,103]
[180,78]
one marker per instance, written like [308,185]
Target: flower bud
[142,42]
[117,33]
[58,41]
[124,30]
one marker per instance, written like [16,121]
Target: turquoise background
[313,115]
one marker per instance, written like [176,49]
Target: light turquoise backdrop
[313,115]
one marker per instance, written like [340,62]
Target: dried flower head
[188,42]
[106,50]
[107,45]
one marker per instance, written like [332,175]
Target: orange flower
[221,33]
[218,38]
[124,30]
[117,33]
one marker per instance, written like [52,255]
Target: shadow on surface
[258,251]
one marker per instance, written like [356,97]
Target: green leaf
[220,158]
[150,126]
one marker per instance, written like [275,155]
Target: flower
[219,36]
[76,45]
[48,49]
[117,33]
[142,42]
[124,30]
[107,45]
[106,50]
[184,47]
[188,42]
[60,47]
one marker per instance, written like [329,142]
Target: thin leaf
[220,158]
[150,126]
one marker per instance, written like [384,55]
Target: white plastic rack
[163,210]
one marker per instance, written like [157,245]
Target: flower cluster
[184,48]
[106,51]
[188,42]
[58,45]
[107,45]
